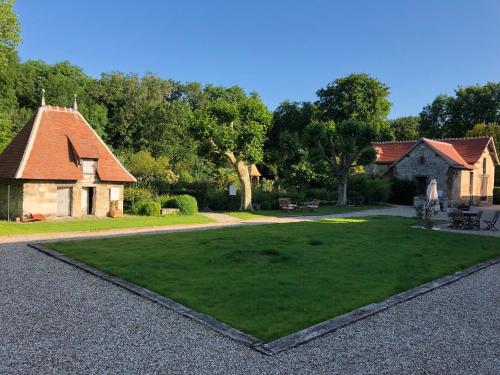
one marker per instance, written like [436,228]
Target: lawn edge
[207,320]
[284,343]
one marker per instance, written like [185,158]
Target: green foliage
[490,130]
[371,189]
[355,97]
[133,194]
[186,204]
[454,116]
[233,122]
[405,128]
[496,195]
[402,191]
[10,32]
[218,200]
[146,168]
[288,155]
[271,280]
[146,207]
[343,146]
[165,200]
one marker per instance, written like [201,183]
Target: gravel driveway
[57,319]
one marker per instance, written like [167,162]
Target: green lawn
[322,210]
[11,229]
[272,280]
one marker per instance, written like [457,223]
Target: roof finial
[43,97]
[75,104]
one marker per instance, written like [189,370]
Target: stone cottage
[464,168]
[57,165]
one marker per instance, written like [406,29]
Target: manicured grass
[322,210]
[11,229]
[272,280]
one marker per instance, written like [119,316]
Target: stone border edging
[283,343]
[207,320]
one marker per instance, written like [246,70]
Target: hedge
[186,204]
[146,207]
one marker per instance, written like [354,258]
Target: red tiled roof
[48,148]
[11,157]
[459,152]
[448,152]
[389,152]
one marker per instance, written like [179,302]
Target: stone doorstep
[283,343]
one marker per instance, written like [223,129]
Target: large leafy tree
[355,97]
[453,116]
[352,114]
[490,130]
[405,128]
[9,31]
[288,155]
[344,145]
[234,125]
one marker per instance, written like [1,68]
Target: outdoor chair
[457,219]
[476,221]
[314,204]
[286,204]
[490,224]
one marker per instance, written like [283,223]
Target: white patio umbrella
[432,191]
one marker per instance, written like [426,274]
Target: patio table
[469,218]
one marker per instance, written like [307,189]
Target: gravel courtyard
[58,319]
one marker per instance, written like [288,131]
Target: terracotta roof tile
[461,152]
[61,137]
[11,157]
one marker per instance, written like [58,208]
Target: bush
[186,204]
[266,205]
[496,195]
[378,190]
[218,201]
[146,207]
[370,189]
[165,200]
[134,194]
[402,191]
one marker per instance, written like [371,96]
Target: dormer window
[89,166]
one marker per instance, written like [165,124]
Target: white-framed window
[114,194]
[89,166]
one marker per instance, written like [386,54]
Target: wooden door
[85,201]
[64,201]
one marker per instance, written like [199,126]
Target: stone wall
[16,199]
[432,167]
[41,197]
[474,194]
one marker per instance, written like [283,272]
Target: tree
[9,31]
[343,146]
[146,168]
[355,97]
[287,154]
[405,128]
[453,116]
[490,130]
[234,125]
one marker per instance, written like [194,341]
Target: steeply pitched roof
[50,145]
[458,152]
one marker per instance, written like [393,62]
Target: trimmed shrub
[402,191]
[186,204]
[266,205]
[134,194]
[496,195]
[371,189]
[378,190]
[146,207]
[165,200]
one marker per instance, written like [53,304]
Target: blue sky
[280,49]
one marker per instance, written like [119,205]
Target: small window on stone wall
[421,160]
